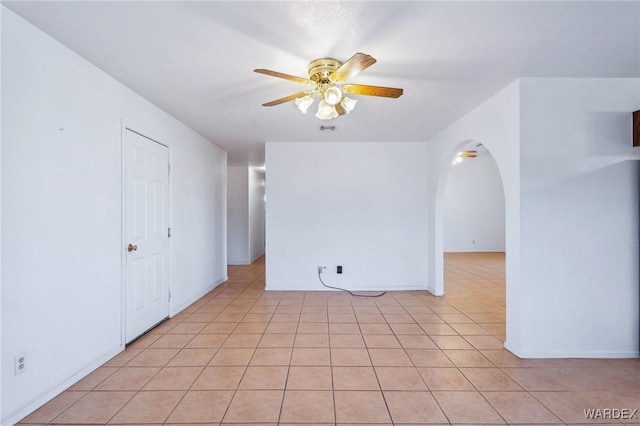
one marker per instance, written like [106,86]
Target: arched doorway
[470,230]
[473,204]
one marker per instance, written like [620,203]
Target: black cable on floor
[349,291]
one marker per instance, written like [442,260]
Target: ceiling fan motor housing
[320,70]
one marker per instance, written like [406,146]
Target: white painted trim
[1,284]
[123,256]
[242,263]
[572,354]
[481,251]
[320,287]
[587,354]
[34,405]
[169,242]
[173,311]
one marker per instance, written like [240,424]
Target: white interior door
[146,234]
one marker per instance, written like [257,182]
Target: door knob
[131,248]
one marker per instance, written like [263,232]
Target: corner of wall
[496,124]
[1,285]
[576,161]
[72,282]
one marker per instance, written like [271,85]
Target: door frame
[123,231]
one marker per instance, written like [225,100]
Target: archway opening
[472,226]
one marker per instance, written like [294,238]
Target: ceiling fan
[327,78]
[468,154]
[464,154]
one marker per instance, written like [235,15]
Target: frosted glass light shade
[332,95]
[304,103]
[348,104]
[326,111]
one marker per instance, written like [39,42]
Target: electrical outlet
[320,268]
[21,363]
[339,269]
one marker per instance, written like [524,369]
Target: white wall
[245,210]
[359,205]
[61,219]
[473,207]
[237,215]
[1,353]
[256,213]
[496,124]
[579,218]
[571,211]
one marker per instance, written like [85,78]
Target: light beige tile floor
[241,355]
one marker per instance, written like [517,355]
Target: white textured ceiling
[196,59]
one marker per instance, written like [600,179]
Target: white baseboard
[175,310]
[322,288]
[244,262]
[585,354]
[572,354]
[434,292]
[39,402]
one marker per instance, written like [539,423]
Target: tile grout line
[243,373]
[373,367]
[202,371]
[286,380]
[422,378]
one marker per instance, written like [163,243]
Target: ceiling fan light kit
[326,80]
[332,95]
[326,111]
[464,154]
[304,103]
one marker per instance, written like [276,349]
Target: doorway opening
[472,211]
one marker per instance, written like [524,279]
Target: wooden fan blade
[285,76]
[359,89]
[340,109]
[285,99]
[357,63]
